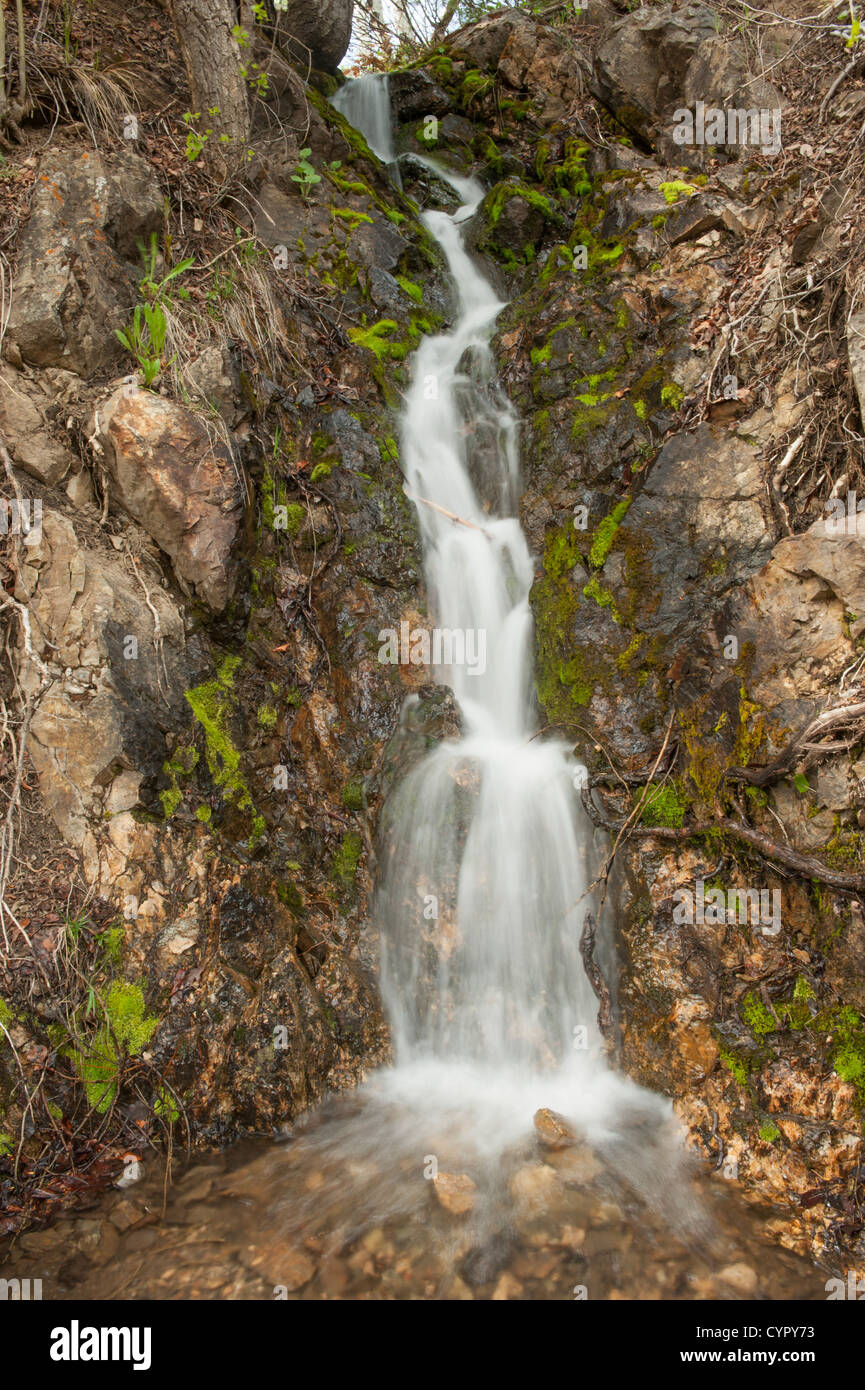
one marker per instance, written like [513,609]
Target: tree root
[804,864]
[829,721]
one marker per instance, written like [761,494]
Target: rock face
[179,482]
[656,61]
[99,728]
[76,278]
[321,29]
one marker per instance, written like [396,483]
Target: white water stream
[486,852]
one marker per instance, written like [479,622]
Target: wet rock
[414,94]
[553,1130]
[124,1215]
[455,1192]
[576,1167]
[178,482]
[534,1188]
[77,278]
[741,1278]
[507,1286]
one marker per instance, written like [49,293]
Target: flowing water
[431,1182]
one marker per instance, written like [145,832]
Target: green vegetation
[125,1032]
[664,804]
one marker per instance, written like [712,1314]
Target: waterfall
[365,103]
[485,849]
[486,854]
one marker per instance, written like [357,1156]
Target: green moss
[605,532]
[295,513]
[180,765]
[845,850]
[204,814]
[848,1051]
[411,288]
[602,597]
[112,941]
[561,551]
[672,395]
[352,218]
[352,795]
[346,859]
[266,716]
[125,1032]
[662,804]
[213,705]
[499,195]
[377,339]
[769,1131]
[739,1064]
[676,189]
[757,1017]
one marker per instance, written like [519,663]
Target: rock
[287,1268]
[125,1215]
[214,382]
[534,1189]
[576,1167]
[77,278]
[321,28]
[167,472]
[27,403]
[553,1130]
[109,703]
[740,1277]
[856,355]
[655,61]
[455,1192]
[506,1287]
[529,56]
[414,94]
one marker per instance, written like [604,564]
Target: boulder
[414,94]
[171,477]
[77,278]
[657,60]
[321,30]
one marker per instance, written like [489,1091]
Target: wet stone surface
[313,1219]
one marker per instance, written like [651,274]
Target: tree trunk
[213,62]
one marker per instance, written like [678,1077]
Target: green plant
[145,340]
[305,175]
[150,287]
[196,137]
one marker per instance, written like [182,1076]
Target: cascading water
[486,851]
[365,103]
